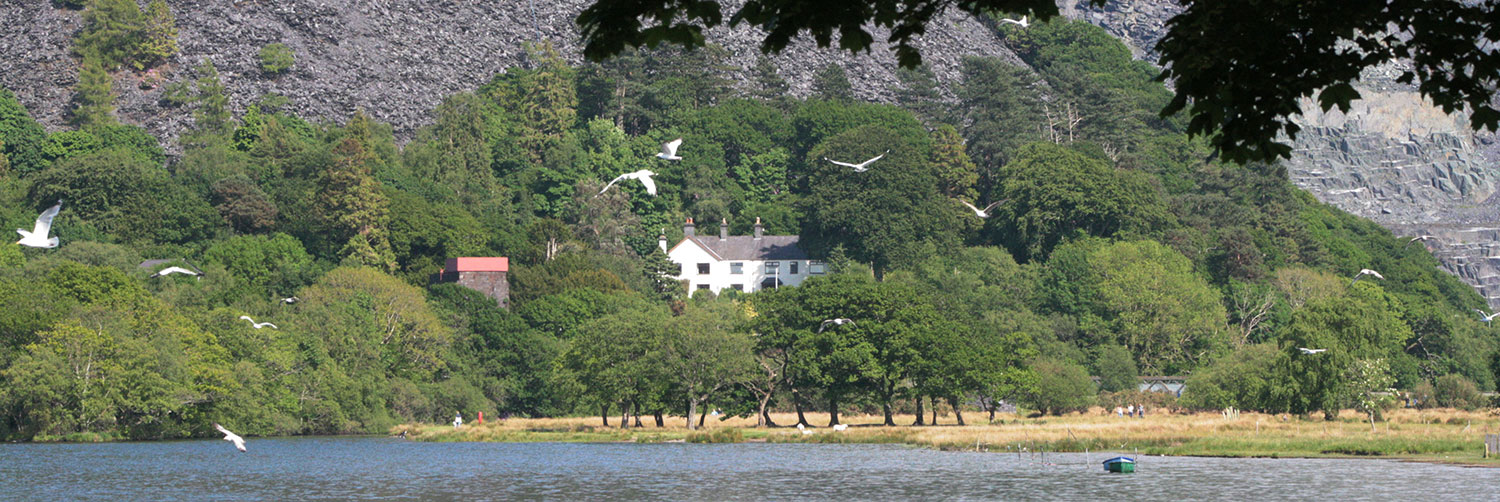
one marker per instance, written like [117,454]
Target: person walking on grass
[458,419]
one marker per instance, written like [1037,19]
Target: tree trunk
[702,414]
[885,405]
[765,417]
[797,403]
[624,415]
[833,408]
[692,410]
[992,406]
[635,409]
[660,421]
[919,412]
[953,401]
[604,414]
[934,412]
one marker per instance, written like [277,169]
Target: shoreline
[1431,436]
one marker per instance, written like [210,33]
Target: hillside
[1394,158]
[1116,246]
[394,60]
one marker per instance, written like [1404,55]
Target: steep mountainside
[1394,158]
[396,60]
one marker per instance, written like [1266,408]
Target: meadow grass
[1444,435]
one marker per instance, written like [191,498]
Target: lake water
[391,469]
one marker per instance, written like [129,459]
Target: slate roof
[746,247]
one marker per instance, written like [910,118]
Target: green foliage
[1056,194]
[276,58]
[887,216]
[21,137]
[1240,379]
[95,101]
[831,83]
[159,34]
[1116,369]
[1062,387]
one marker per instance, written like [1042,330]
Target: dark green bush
[276,58]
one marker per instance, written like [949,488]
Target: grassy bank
[1433,435]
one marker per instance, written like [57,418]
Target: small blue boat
[1120,464]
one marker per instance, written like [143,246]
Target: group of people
[1134,411]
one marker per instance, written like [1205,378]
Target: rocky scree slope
[396,60]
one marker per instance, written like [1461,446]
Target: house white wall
[688,254]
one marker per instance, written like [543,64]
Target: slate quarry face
[493,284]
[1393,158]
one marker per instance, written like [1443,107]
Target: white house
[743,262]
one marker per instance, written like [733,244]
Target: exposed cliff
[394,59]
[1393,158]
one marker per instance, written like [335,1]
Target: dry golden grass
[1441,435]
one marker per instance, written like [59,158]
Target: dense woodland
[1121,248]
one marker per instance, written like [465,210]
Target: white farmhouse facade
[746,263]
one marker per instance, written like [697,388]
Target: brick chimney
[758,228]
[687,228]
[661,240]
[723,229]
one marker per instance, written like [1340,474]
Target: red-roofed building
[483,274]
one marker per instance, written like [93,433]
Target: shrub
[717,436]
[276,58]
[1063,387]
[1455,391]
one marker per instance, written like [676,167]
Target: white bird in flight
[669,150]
[258,325]
[1364,272]
[644,175]
[1487,317]
[982,213]
[860,167]
[1306,350]
[37,237]
[292,299]
[836,322]
[175,270]
[1022,23]
[238,441]
[1423,238]
[840,427]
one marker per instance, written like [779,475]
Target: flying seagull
[1364,272]
[669,150]
[1306,350]
[836,322]
[644,175]
[175,270]
[258,325]
[238,441]
[1022,23]
[1487,317]
[982,213]
[37,237]
[1418,238]
[860,167]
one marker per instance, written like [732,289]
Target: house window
[702,286]
[737,267]
[816,268]
[738,287]
[702,269]
[791,267]
[772,267]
